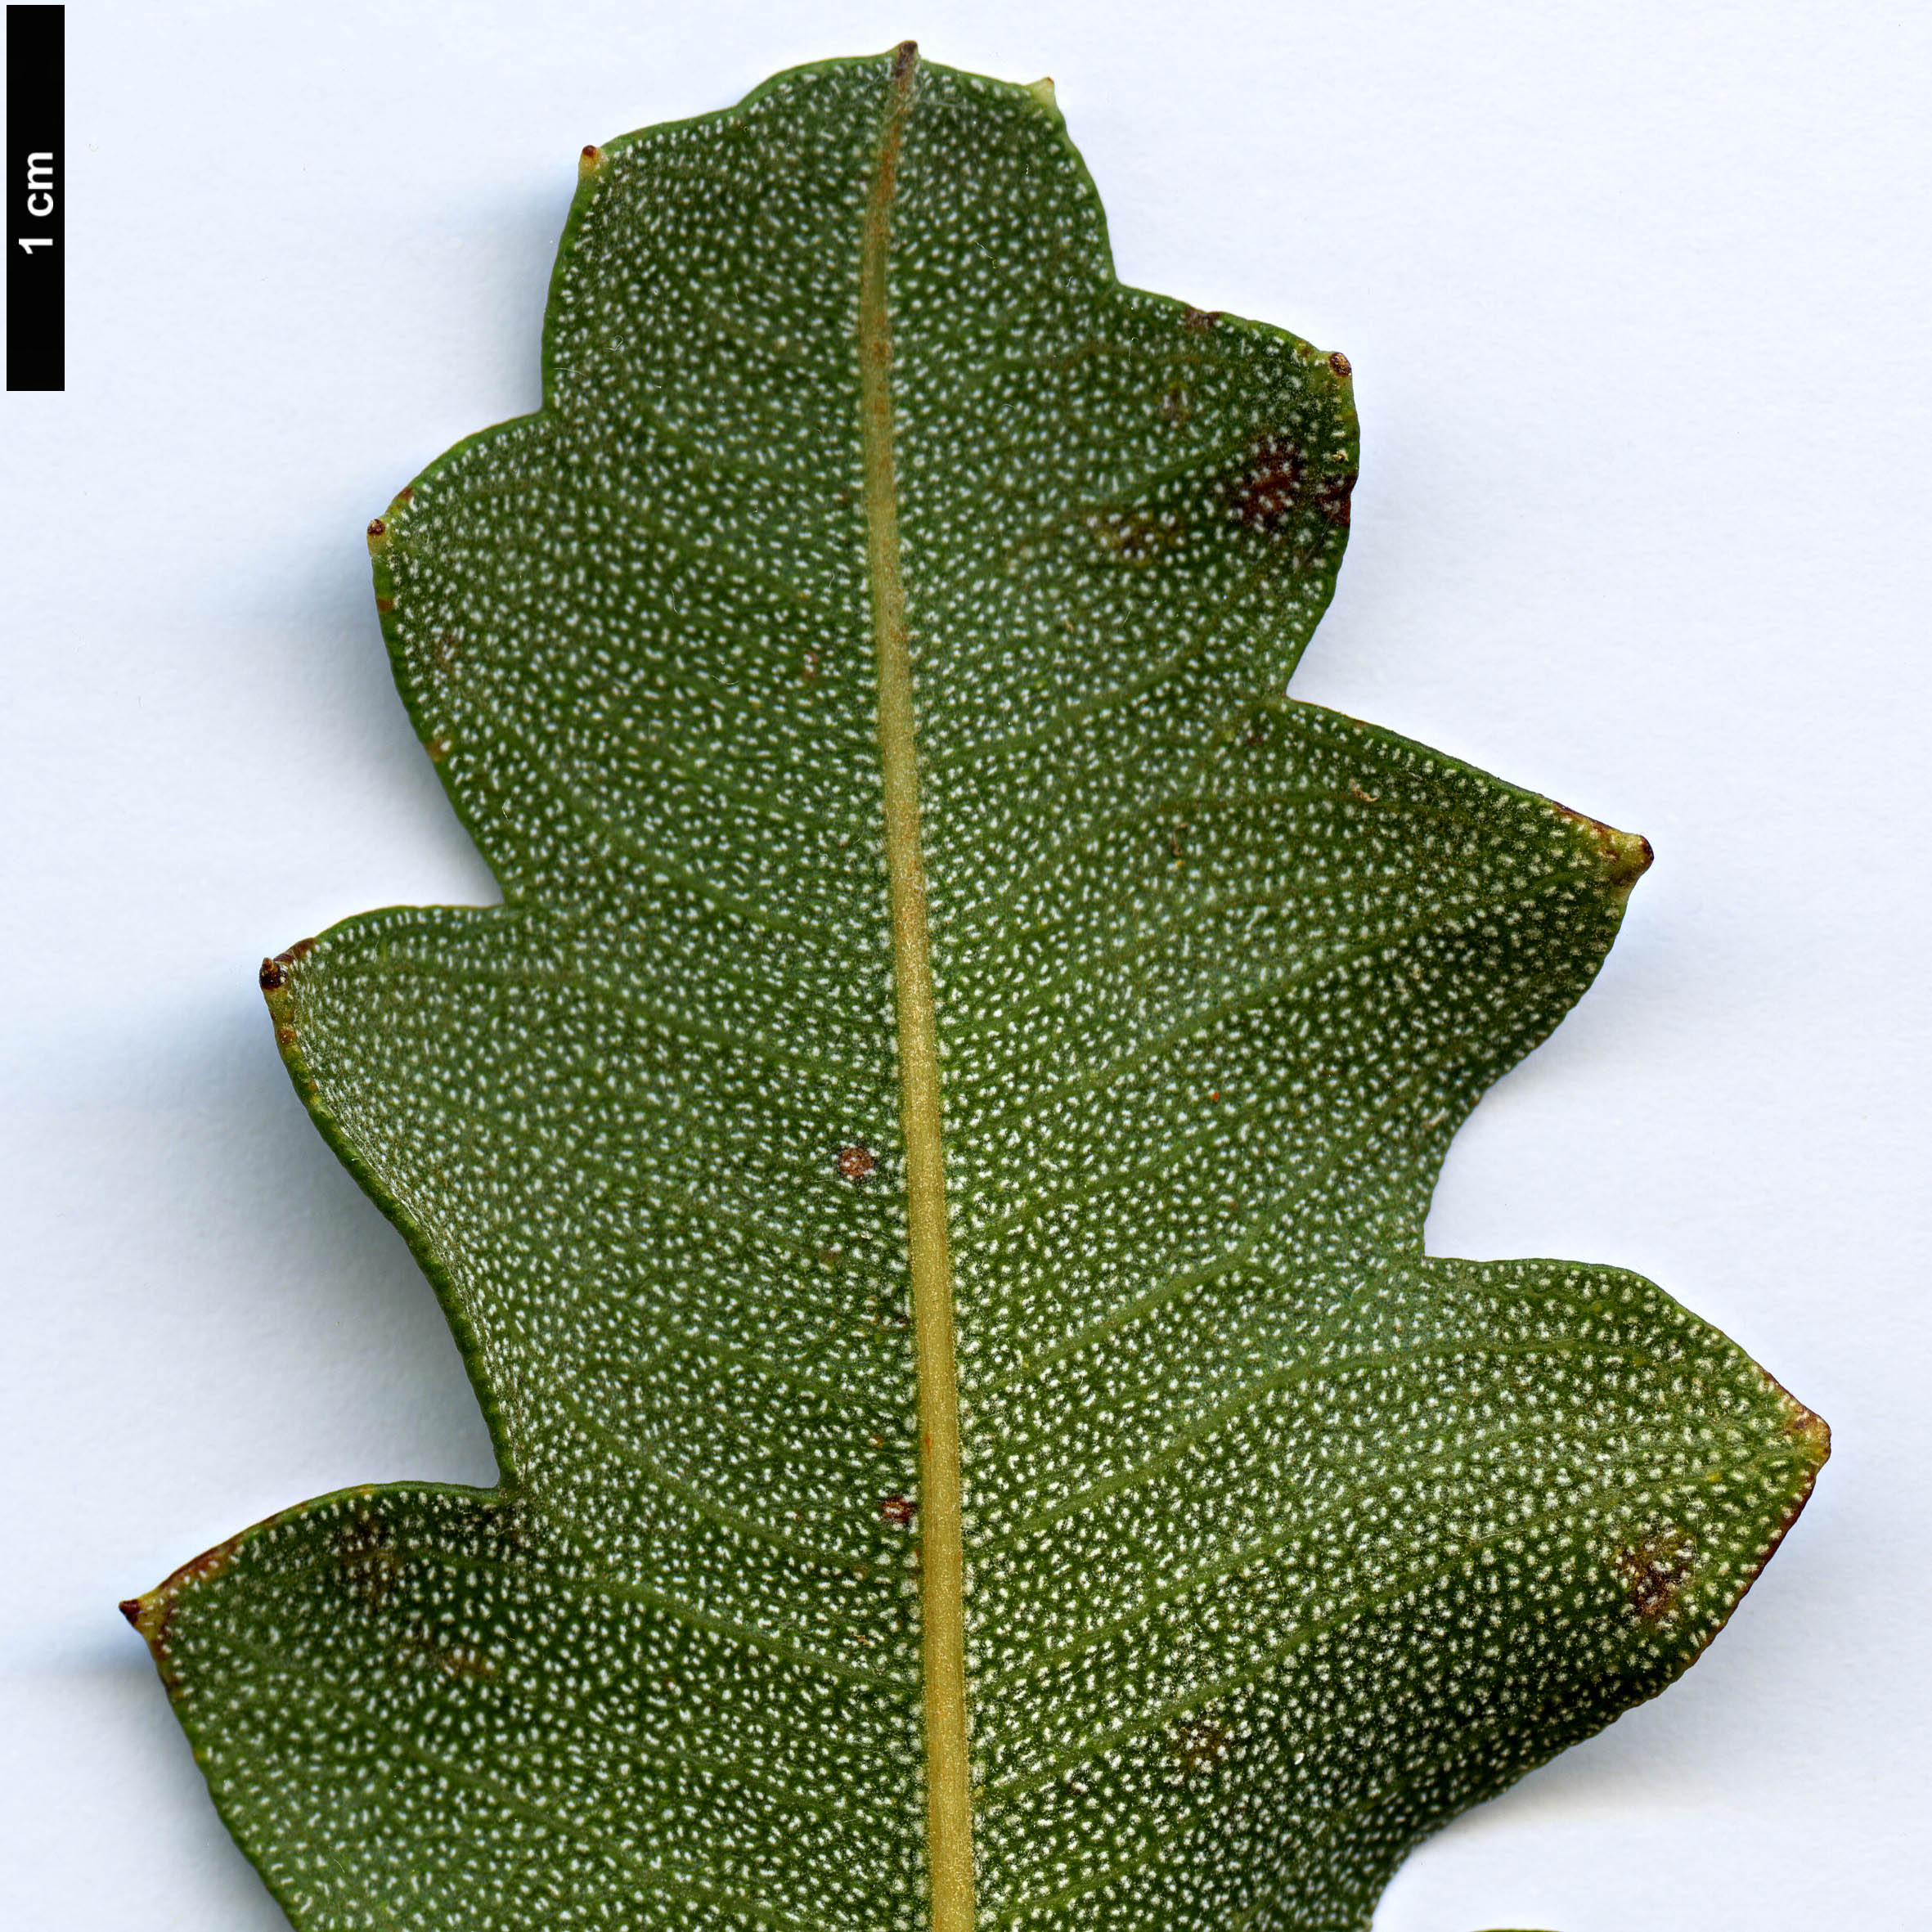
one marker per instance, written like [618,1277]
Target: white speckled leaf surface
[1281,1542]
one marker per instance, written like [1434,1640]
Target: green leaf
[928,1163]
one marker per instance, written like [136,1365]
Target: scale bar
[36,196]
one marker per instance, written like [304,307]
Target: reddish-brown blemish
[372,1564]
[465,1663]
[437,748]
[1340,365]
[897,1509]
[1267,490]
[1332,495]
[1654,1569]
[856,1162]
[378,528]
[130,1608]
[1199,321]
[272,975]
[1199,1747]
[284,1035]
[406,494]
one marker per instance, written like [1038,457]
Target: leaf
[928,1163]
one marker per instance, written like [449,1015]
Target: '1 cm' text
[40,198]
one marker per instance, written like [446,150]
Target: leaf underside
[1283,1543]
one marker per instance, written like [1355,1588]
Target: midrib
[948,1805]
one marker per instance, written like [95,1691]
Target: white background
[1637,297]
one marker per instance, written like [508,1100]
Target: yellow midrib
[949,1803]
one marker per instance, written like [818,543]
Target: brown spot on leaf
[1267,490]
[1654,1569]
[591,157]
[437,748]
[377,527]
[1199,321]
[1332,495]
[854,1163]
[1340,365]
[1197,1748]
[130,1608]
[372,1564]
[905,57]
[406,494]
[897,1509]
[384,606]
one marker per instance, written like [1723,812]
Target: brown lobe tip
[1626,855]
[130,1608]
[1340,365]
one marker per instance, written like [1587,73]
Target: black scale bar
[36,198]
